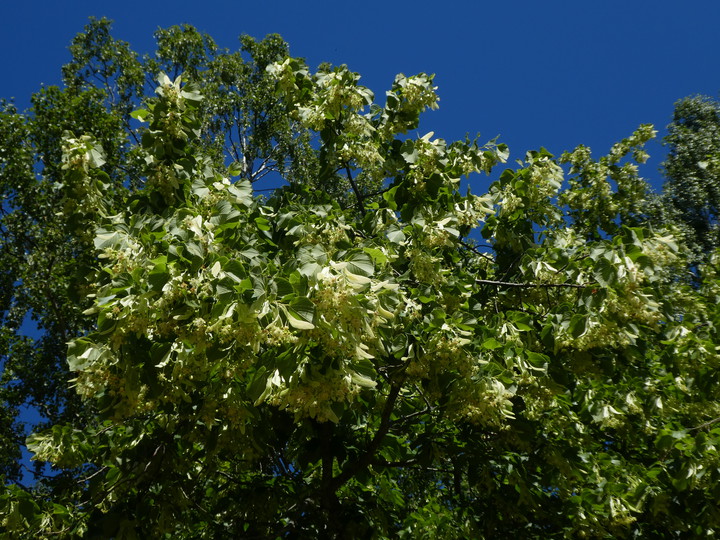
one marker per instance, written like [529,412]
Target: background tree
[692,168]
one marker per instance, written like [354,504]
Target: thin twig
[475,250]
[528,285]
[93,475]
[706,424]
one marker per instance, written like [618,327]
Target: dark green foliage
[692,168]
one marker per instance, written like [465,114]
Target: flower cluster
[474,209]
[483,400]
[337,95]
[82,193]
[348,310]
[81,153]
[324,234]
[408,97]
[444,351]
[276,335]
[125,258]
[425,267]
[426,159]
[313,396]
[170,121]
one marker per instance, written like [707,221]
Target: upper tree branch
[475,250]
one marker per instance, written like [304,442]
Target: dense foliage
[44,253]
[692,191]
[368,350]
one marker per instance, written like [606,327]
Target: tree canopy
[692,191]
[368,350]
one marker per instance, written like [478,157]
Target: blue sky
[552,74]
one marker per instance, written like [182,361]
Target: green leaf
[257,384]
[605,273]
[395,234]
[362,380]
[263,224]
[140,114]
[491,343]
[28,509]
[409,152]
[235,270]
[199,188]
[301,313]
[236,168]
[578,325]
[107,239]
[159,275]
[378,257]
[195,249]
[242,191]
[283,287]
[360,263]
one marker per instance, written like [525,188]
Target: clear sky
[553,73]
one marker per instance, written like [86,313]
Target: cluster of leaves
[370,351]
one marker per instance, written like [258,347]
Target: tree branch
[93,475]
[367,456]
[706,424]
[475,250]
[529,285]
[360,198]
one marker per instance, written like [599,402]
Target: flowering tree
[413,361]
[43,254]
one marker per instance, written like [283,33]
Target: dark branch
[475,250]
[367,457]
[706,424]
[359,196]
[529,285]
